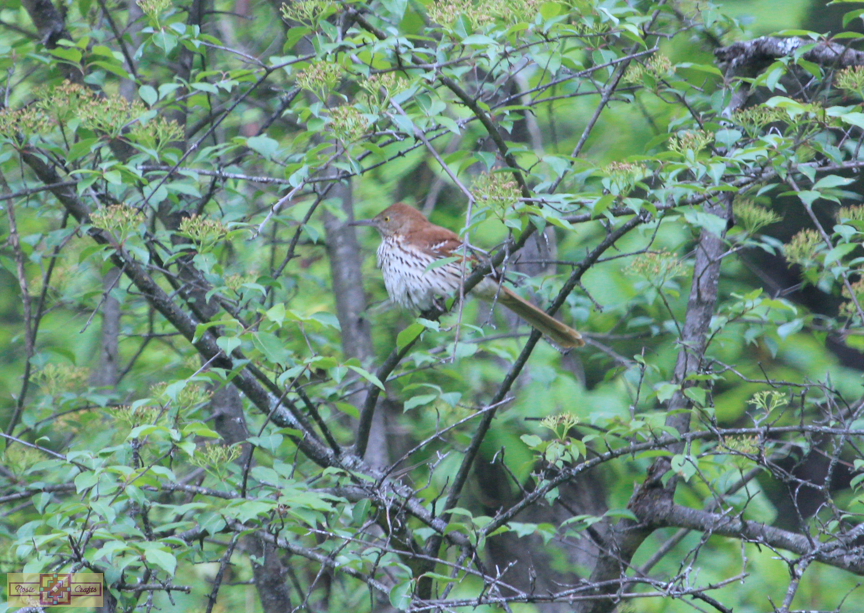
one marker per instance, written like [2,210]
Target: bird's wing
[439,242]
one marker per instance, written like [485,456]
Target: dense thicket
[207,398]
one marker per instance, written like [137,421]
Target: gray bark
[105,374]
[345,260]
[134,23]
[750,56]
[659,511]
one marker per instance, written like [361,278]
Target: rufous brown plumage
[410,243]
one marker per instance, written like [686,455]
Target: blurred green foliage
[300,101]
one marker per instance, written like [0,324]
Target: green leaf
[440,577]
[621,513]
[293,36]
[70,55]
[145,430]
[548,10]
[727,138]
[408,335]
[148,94]
[702,68]
[197,428]
[85,481]
[349,409]
[442,262]
[831,181]
[855,119]
[205,87]
[400,595]
[272,347]
[684,465]
[478,40]
[368,376]
[808,197]
[850,16]
[276,313]
[81,148]
[790,328]
[532,440]
[228,344]
[711,223]
[263,145]
[417,401]
[782,102]
[665,391]
[161,558]
[838,252]
[270,442]
[248,510]
[328,320]
[165,41]
[449,124]
[602,204]
[428,324]
[697,394]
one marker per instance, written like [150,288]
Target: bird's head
[397,219]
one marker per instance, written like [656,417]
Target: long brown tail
[562,334]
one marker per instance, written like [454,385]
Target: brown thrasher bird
[410,243]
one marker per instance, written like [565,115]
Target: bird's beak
[363,222]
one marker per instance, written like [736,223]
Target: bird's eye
[386,219]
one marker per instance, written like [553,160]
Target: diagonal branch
[751,56]
[660,512]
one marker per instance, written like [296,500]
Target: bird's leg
[439,303]
[435,310]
